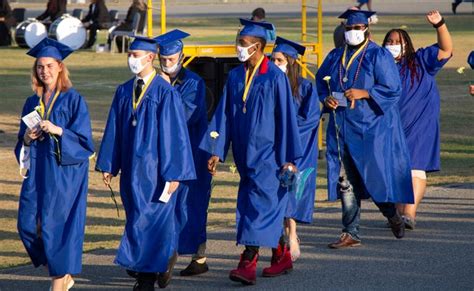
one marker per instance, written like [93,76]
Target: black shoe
[165,278]
[194,268]
[454,6]
[144,285]
[397,225]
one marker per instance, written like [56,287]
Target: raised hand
[434,17]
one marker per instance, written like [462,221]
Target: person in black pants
[138,6]
[5,23]
[54,10]
[97,18]
[455,5]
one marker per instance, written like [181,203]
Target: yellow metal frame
[313,48]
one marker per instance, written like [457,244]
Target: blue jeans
[351,189]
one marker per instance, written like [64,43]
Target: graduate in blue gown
[54,161]
[301,199]
[362,98]
[147,141]
[420,103]
[257,115]
[193,196]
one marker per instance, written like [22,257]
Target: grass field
[96,76]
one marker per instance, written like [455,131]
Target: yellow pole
[320,32]
[303,20]
[320,61]
[163,16]
[303,34]
[149,15]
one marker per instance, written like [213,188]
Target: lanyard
[50,107]
[248,81]
[351,60]
[135,104]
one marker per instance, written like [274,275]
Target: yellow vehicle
[213,61]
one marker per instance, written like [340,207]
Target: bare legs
[294,242]
[419,189]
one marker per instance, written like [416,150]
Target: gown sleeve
[220,124]
[309,112]
[76,144]
[175,154]
[27,108]
[429,57]
[287,142]
[321,85]
[387,85]
[109,158]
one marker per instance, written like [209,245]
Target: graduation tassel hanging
[112,195]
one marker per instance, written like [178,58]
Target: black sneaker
[144,285]
[194,268]
[397,225]
[165,278]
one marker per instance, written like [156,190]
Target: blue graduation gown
[193,196]
[55,193]
[263,140]
[419,109]
[154,151]
[372,132]
[308,122]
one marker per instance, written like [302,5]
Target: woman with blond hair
[53,150]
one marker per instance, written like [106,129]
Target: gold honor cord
[248,81]
[351,60]
[46,117]
[135,104]
[43,106]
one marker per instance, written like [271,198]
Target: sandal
[410,223]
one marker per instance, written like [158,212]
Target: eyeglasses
[355,27]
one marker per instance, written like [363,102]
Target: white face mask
[243,52]
[173,69]
[284,68]
[135,64]
[355,37]
[395,50]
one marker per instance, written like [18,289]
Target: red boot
[281,262]
[246,272]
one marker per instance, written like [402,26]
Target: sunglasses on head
[355,27]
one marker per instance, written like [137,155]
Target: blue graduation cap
[141,43]
[50,48]
[356,16]
[170,43]
[288,47]
[254,28]
[470,60]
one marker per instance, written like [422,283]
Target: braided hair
[408,58]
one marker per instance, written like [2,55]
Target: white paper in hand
[32,119]
[165,196]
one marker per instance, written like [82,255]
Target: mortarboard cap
[170,43]
[254,28]
[141,43]
[470,60]
[288,47]
[50,48]
[356,16]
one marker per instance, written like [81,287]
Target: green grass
[97,75]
